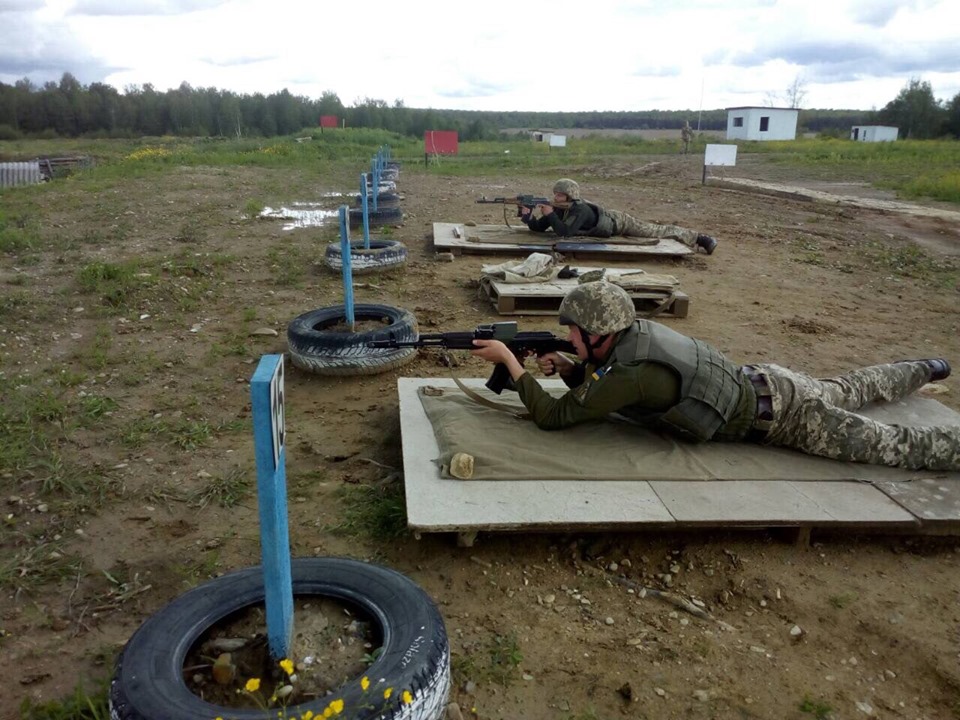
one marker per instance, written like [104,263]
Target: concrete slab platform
[912,502]
[458,238]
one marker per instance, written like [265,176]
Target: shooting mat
[616,475]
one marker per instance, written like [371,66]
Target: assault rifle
[522,201]
[521,344]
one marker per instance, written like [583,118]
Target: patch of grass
[374,511]
[185,433]
[253,208]
[199,568]
[35,565]
[227,490]
[115,283]
[496,662]
[17,234]
[819,709]
[191,231]
[95,407]
[842,600]
[914,262]
[81,705]
[249,314]
[288,264]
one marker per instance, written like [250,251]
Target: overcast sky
[495,54]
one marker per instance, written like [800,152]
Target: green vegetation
[226,490]
[497,662]
[376,512]
[819,709]
[81,705]
[843,600]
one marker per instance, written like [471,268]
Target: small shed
[873,133]
[762,123]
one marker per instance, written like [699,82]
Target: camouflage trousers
[819,418]
[629,226]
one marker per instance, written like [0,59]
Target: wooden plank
[456,238]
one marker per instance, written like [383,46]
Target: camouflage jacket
[642,391]
[578,219]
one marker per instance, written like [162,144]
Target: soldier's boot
[708,243]
[939,367]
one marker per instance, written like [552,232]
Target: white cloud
[607,55]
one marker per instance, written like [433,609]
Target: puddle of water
[302,215]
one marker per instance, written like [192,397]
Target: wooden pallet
[545,298]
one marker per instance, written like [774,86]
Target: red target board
[440,142]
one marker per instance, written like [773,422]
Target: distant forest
[70,109]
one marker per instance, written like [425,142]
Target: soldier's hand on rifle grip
[545,209]
[552,363]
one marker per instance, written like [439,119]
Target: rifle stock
[520,344]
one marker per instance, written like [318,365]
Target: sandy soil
[813,286]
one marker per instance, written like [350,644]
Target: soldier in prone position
[579,217]
[654,375]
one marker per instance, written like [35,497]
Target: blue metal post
[365,211]
[374,181]
[266,395]
[347,264]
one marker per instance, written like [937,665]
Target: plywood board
[920,502]
[458,238]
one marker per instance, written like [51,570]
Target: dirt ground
[813,286]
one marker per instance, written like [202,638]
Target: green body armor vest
[710,385]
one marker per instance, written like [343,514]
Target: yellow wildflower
[364,683]
[387,693]
[287,666]
[337,706]
[253,684]
[308,715]
[327,711]
[406,697]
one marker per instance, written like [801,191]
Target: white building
[762,123]
[873,133]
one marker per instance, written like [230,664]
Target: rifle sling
[499,407]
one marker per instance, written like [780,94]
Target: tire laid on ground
[148,682]
[381,255]
[325,352]
[383,216]
[390,199]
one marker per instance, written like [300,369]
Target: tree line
[70,109]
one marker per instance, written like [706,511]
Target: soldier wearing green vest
[646,372]
[580,217]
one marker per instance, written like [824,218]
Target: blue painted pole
[266,395]
[365,211]
[374,181]
[346,257]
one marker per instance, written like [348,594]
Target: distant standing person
[579,217]
[686,134]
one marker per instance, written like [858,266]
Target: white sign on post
[558,141]
[722,155]
[276,411]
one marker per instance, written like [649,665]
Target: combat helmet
[568,187]
[600,308]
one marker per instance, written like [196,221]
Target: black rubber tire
[380,256]
[314,349]
[383,216]
[389,199]
[148,681]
